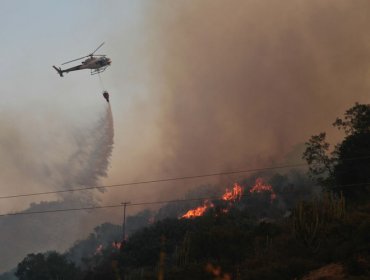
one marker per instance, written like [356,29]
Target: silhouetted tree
[321,161]
[346,169]
[48,266]
[352,171]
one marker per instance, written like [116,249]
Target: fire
[216,272]
[229,195]
[234,194]
[199,211]
[260,187]
[100,247]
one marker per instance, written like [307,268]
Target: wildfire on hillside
[230,195]
[261,187]
[234,194]
[199,211]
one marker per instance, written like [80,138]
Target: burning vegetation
[199,211]
[261,187]
[321,234]
[234,194]
[231,196]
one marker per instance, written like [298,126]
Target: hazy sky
[196,86]
[40,112]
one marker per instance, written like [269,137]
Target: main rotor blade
[75,59]
[97,48]
[87,55]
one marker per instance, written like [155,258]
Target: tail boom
[59,70]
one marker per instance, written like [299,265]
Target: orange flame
[260,187]
[216,271]
[233,194]
[199,211]
[229,195]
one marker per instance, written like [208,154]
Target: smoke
[208,86]
[90,161]
[85,166]
[240,84]
[214,86]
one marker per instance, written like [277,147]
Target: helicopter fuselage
[96,64]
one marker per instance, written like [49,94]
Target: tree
[346,169]
[320,160]
[352,170]
[48,266]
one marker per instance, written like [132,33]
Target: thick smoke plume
[214,85]
[217,86]
[89,162]
[240,84]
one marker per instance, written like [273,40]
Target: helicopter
[96,63]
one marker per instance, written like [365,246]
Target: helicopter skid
[98,70]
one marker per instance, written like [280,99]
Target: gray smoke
[246,81]
[214,85]
[85,167]
[91,161]
[223,86]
